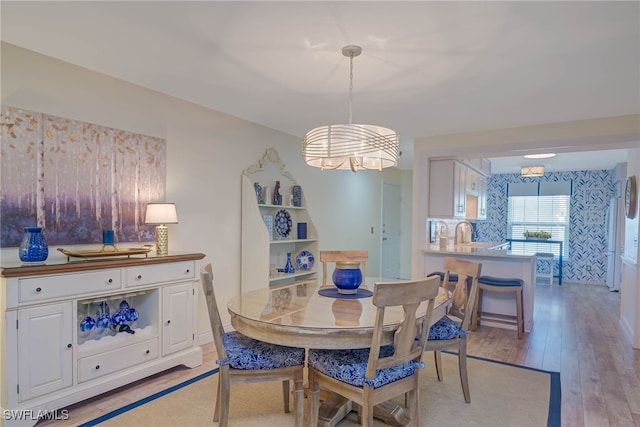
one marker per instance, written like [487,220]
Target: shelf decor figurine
[277,197]
[33,247]
[288,267]
[258,188]
[297,196]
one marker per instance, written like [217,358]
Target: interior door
[390,258]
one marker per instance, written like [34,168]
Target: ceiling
[427,68]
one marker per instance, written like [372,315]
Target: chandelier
[351,146]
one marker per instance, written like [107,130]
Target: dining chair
[246,360]
[336,256]
[448,333]
[370,376]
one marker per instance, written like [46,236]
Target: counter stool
[544,269]
[453,279]
[499,284]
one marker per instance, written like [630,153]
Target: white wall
[206,153]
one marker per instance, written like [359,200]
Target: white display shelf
[259,251]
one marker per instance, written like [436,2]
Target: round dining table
[298,315]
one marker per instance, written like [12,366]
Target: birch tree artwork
[76,179]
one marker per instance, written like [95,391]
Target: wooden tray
[102,252]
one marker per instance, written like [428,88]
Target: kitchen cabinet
[456,191]
[264,249]
[52,359]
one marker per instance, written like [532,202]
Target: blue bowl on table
[347,277]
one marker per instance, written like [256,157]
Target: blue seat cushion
[445,329]
[500,281]
[246,353]
[349,366]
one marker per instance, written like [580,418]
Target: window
[539,213]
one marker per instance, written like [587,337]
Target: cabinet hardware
[97,367]
[168,321]
[188,271]
[38,289]
[69,345]
[147,352]
[139,276]
[110,281]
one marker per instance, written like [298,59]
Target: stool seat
[453,277]
[499,284]
[500,281]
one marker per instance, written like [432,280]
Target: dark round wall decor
[631,197]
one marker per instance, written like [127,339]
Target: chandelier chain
[351,88]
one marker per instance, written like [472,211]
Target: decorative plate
[283,223]
[304,260]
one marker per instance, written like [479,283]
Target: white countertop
[474,249]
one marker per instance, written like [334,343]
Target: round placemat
[333,293]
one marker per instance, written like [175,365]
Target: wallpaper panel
[591,193]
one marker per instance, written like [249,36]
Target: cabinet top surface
[61,265]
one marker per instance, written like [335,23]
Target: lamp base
[162,240]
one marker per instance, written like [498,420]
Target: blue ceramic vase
[288,268]
[347,277]
[33,247]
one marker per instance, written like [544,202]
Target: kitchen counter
[495,262]
[489,249]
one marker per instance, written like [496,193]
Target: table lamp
[161,214]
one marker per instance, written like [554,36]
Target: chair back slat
[408,294]
[337,256]
[464,293]
[206,277]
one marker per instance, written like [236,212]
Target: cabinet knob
[147,352]
[69,345]
[38,289]
[139,276]
[168,321]
[97,367]
[188,271]
[110,281]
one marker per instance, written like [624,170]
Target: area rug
[501,395]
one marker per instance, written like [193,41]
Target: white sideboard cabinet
[51,359]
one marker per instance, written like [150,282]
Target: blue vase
[288,268]
[347,277]
[33,247]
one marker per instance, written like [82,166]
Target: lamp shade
[161,213]
[351,146]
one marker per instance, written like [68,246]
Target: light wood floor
[576,332]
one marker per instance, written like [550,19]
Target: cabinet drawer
[45,288]
[111,361]
[149,274]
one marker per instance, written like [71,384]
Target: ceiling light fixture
[532,171]
[540,156]
[351,146]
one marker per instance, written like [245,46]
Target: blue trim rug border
[555,393]
[147,399]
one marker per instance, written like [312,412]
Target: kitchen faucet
[459,233]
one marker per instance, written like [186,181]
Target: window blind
[539,213]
